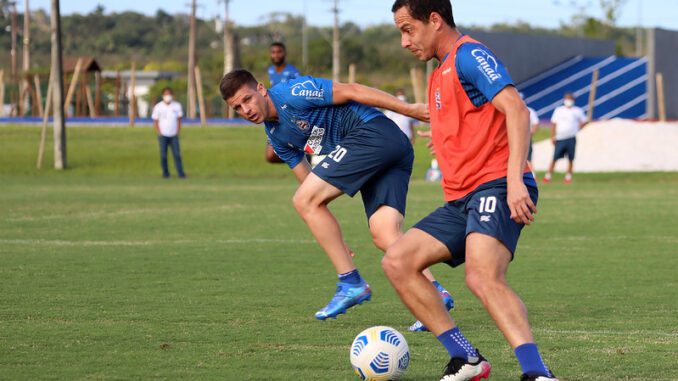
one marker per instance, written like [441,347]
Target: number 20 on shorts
[338,153]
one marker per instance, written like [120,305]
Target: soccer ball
[380,353]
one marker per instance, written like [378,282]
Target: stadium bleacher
[621,90]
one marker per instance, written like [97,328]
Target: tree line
[159,42]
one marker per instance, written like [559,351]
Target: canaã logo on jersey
[307,89]
[313,144]
[439,103]
[487,64]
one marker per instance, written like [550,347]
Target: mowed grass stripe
[150,243]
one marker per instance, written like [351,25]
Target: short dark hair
[167,88]
[421,9]
[233,81]
[278,44]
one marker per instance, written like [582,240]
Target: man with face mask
[404,122]
[279,72]
[566,122]
[166,117]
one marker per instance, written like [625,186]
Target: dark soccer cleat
[347,296]
[525,377]
[459,369]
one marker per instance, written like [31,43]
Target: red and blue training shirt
[469,134]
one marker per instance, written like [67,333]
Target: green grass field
[109,272]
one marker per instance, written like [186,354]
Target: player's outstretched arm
[347,92]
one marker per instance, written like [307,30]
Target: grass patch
[110,272]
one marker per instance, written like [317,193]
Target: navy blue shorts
[374,158]
[484,211]
[565,147]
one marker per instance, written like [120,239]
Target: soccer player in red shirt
[480,133]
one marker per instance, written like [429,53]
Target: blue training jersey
[308,122]
[482,75]
[289,72]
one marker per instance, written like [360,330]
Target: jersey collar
[448,53]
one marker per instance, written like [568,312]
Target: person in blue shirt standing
[279,72]
[365,151]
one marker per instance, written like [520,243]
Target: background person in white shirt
[167,116]
[566,122]
[405,123]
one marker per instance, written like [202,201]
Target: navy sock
[530,360]
[438,286]
[457,345]
[352,277]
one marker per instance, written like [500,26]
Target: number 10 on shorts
[338,153]
[487,204]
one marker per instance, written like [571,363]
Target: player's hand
[519,202]
[553,141]
[429,144]
[419,111]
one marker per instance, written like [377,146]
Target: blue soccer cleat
[449,304]
[347,296]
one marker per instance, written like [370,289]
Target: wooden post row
[71,87]
[2,93]
[351,73]
[592,94]
[201,99]
[417,84]
[133,97]
[661,101]
[38,93]
[45,119]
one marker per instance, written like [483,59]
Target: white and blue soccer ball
[380,353]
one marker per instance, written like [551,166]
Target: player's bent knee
[383,239]
[474,282]
[395,263]
[479,282]
[379,242]
[301,202]
[391,267]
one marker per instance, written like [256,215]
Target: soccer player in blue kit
[365,151]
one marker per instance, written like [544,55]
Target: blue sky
[547,13]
